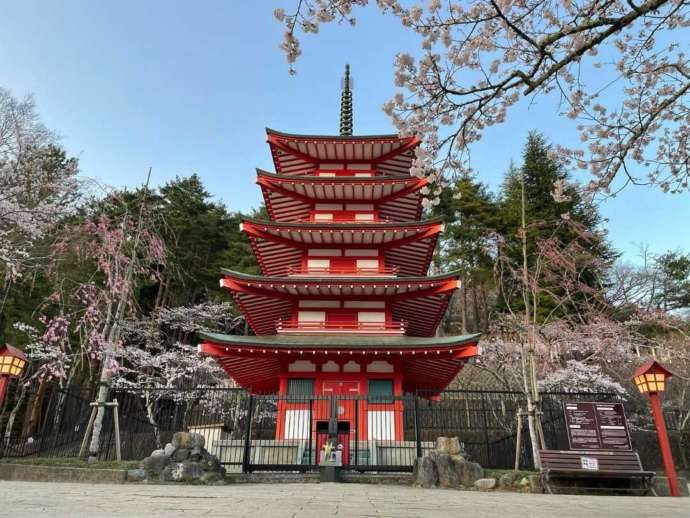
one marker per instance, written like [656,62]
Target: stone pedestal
[330,473]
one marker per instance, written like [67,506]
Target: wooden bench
[589,466]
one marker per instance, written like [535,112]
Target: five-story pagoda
[343,306]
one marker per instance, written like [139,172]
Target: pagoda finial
[346,104]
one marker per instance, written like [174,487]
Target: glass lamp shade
[651,378]
[11,366]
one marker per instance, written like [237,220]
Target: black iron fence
[271,432]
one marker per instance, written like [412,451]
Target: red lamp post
[12,364]
[650,379]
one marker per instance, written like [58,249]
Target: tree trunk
[35,410]
[113,336]
[13,414]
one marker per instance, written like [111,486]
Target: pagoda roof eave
[358,226]
[418,301]
[292,197]
[389,136]
[426,279]
[301,155]
[340,341]
[280,246]
[383,178]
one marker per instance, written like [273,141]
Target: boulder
[425,472]
[185,472]
[136,475]
[181,440]
[485,484]
[468,472]
[184,459]
[507,480]
[449,445]
[154,463]
[181,454]
[448,473]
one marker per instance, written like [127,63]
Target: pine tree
[469,213]
[555,210]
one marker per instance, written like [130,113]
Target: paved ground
[32,499]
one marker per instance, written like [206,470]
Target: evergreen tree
[469,212]
[555,210]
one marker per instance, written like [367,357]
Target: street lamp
[12,364]
[650,379]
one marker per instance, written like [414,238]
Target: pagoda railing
[395,328]
[377,271]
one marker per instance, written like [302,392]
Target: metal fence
[271,432]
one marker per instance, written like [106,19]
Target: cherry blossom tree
[618,69]
[38,185]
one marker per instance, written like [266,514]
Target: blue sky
[189,87]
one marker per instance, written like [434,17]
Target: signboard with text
[596,426]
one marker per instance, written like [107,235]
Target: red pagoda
[343,306]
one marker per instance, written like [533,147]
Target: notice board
[596,426]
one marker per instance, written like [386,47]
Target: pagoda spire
[346,105]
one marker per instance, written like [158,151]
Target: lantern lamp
[12,364]
[650,379]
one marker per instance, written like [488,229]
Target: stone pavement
[37,499]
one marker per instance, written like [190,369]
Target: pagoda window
[329,252]
[370,264]
[323,216]
[362,253]
[380,391]
[319,303]
[359,206]
[300,387]
[328,206]
[311,317]
[368,304]
[364,216]
[330,366]
[371,317]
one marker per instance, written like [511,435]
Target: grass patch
[70,462]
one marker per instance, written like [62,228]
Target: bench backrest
[618,461]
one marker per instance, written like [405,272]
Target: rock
[181,440]
[168,450]
[181,454]
[469,472]
[210,462]
[426,473]
[154,463]
[449,445]
[507,480]
[136,475]
[448,475]
[197,441]
[188,440]
[185,472]
[485,484]
[184,459]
